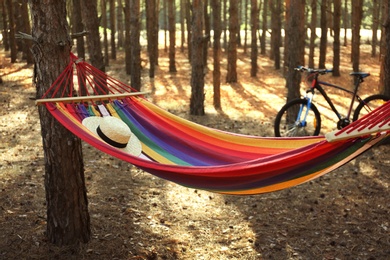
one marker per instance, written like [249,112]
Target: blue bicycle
[300,117]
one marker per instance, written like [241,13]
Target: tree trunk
[182,27]
[357,15]
[103,9]
[246,24]
[386,67]
[207,31]
[324,34]
[254,28]
[345,22]
[68,220]
[189,28]
[11,23]
[276,37]
[231,75]
[113,29]
[91,22]
[172,35]
[27,29]
[295,44]
[77,28]
[264,28]
[216,6]
[5,26]
[197,76]
[119,17]
[127,37]
[152,34]
[375,25]
[336,37]
[313,35]
[135,44]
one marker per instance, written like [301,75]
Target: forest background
[235,15]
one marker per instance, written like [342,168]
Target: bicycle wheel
[287,123]
[369,104]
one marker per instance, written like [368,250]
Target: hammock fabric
[193,155]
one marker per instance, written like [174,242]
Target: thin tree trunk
[172,35]
[119,17]
[27,29]
[313,35]
[197,76]
[254,28]
[324,34]
[127,38]
[77,28]
[216,6]
[295,44]
[231,75]
[345,22]
[113,29]
[5,26]
[264,28]
[357,15]
[91,22]
[336,37]
[189,28]
[11,22]
[103,6]
[68,221]
[375,25]
[135,44]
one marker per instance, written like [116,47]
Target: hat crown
[115,129]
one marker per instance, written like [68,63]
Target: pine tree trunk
[231,75]
[295,44]
[152,34]
[324,34]
[216,6]
[113,29]
[103,10]
[68,220]
[5,26]
[11,23]
[254,28]
[119,17]
[386,67]
[135,44]
[197,77]
[91,23]
[357,15]
[264,28]
[172,35]
[313,35]
[26,28]
[336,37]
[78,27]
[127,38]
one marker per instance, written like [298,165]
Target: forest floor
[134,215]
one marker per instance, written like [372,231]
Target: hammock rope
[196,156]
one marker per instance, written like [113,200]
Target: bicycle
[300,117]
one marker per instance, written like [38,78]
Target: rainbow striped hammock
[200,157]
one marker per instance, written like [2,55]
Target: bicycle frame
[317,84]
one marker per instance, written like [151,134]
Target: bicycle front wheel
[294,119]
[369,104]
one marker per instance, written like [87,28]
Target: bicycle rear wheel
[294,119]
[369,104]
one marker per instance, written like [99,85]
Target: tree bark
[5,26]
[197,76]
[68,221]
[11,23]
[313,35]
[119,17]
[386,67]
[336,37]
[172,35]
[254,27]
[91,22]
[27,29]
[113,29]
[357,15]
[216,6]
[264,28]
[324,34]
[231,75]
[77,28]
[103,9]
[152,34]
[135,44]
[295,44]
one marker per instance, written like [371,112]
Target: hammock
[200,157]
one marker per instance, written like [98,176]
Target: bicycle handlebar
[311,70]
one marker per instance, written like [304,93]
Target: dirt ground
[134,215]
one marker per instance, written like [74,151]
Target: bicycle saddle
[360,74]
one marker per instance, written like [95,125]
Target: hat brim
[133,147]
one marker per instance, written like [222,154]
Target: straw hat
[114,132]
